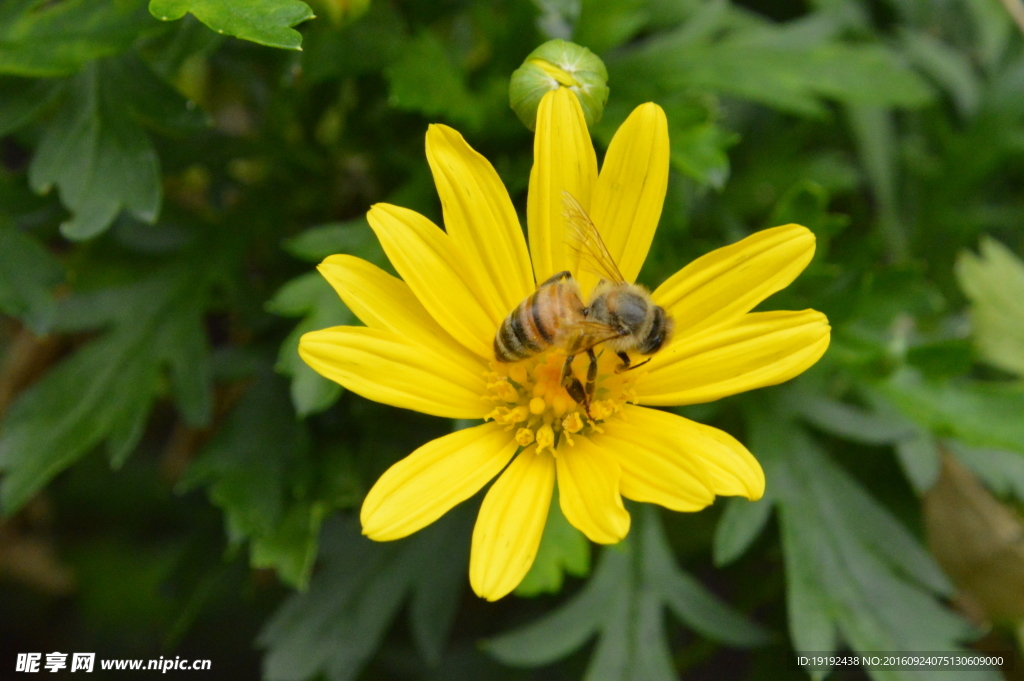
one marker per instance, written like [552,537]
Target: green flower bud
[555,64]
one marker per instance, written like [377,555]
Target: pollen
[531,399]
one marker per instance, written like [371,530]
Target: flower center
[531,400]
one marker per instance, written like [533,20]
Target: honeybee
[619,314]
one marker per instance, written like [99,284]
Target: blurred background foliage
[175,481]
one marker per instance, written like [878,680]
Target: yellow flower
[427,346]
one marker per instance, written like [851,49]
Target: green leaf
[622,604]
[100,159]
[104,391]
[604,24]
[949,67]
[424,80]
[40,38]
[940,359]
[874,133]
[252,466]
[96,152]
[870,427]
[363,46]
[1000,470]
[154,103]
[267,22]
[979,414]
[353,237]
[854,574]
[308,296]
[994,283]
[22,100]
[880,424]
[919,458]
[764,64]
[806,203]
[563,549]
[993,28]
[740,524]
[334,628]
[28,274]
[699,151]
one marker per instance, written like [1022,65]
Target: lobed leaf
[334,628]
[39,38]
[979,414]
[104,391]
[308,296]
[268,22]
[763,64]
[622,605]
[28,274]
[854,574]
[994,283]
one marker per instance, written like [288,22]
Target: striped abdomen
[540,321]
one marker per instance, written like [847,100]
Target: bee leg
[626,366]
[573,386]
[564,274]
[591,376]
[625,362]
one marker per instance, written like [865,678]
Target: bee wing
[584,238]
[593,333]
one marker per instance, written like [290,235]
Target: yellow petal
[726,283]
[425,485]
[659,466]
[588,491]
[480,219]
[383,367]
[730,468]
[563,160]
[436,272]
[385,302]
[630,191]
[511,522]
[760,349]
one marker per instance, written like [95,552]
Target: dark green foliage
[28,274]
[854,575]
[41,38]
[104,391]
[166,191]
[622,604]
[335,626]
[96,152]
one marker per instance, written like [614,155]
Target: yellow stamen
[517,372]
[545,438]
[561,403]
[572,423]
[518,414]
[533,402]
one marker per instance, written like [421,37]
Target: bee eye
[661,329]
[631,311]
